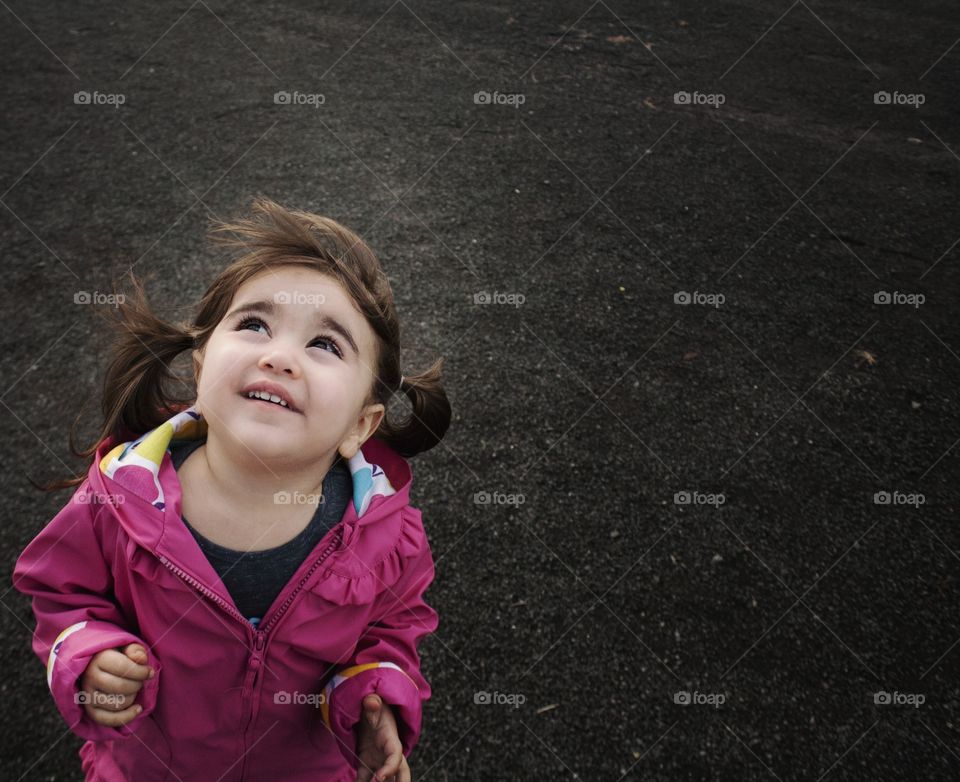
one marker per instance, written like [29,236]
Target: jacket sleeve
[385,661]
[65,572]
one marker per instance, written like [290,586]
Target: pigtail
[429,418]
[135,396]
[137,393]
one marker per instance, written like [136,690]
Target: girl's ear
[367,424]
[197,365]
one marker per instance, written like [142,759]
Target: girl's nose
[279,361]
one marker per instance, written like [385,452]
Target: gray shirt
[255,578]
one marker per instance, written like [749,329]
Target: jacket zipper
[233,611]
[202,589]
[260,634]
[260,642]
[334,544]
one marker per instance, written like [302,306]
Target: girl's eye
[242,325]
[330,342]
[247,321]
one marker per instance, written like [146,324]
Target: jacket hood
[136,464]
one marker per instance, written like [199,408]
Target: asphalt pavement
[693,270]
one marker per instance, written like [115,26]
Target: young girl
[235,590]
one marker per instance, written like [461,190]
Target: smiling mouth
[268,403]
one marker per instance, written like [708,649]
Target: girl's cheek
[230,357]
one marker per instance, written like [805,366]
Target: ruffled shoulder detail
[360,572]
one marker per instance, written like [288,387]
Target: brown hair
[135,399]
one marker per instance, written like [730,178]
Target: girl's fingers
[402,773]
[107,682]
[120,665]
[392,766]
[114,719]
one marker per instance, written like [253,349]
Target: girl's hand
[110,684]
[378,744]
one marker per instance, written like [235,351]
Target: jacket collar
[136,465]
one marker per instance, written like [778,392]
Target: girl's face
[298,332]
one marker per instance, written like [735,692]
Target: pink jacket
[230,702]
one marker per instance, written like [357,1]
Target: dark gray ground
[598,398]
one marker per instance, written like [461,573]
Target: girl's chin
[262,435]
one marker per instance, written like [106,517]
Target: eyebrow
[322,320]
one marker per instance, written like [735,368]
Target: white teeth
[267,397]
